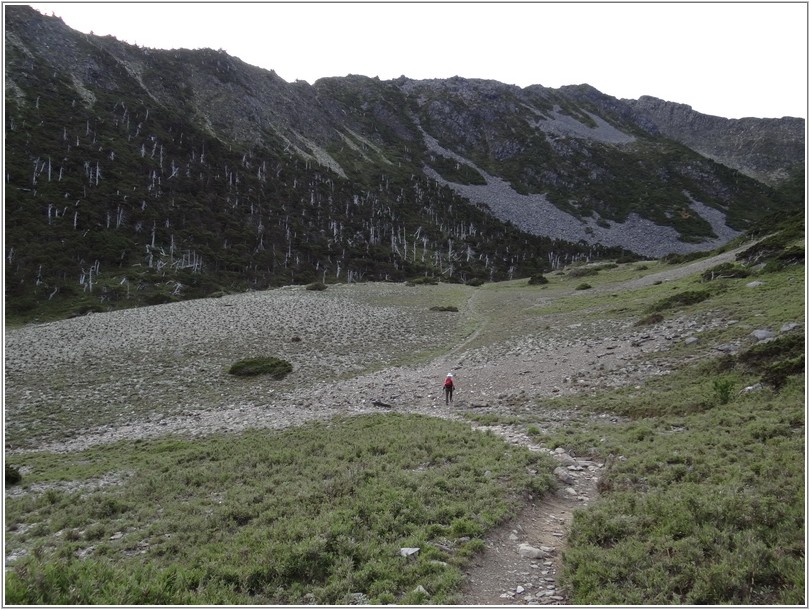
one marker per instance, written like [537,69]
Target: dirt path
[522,561]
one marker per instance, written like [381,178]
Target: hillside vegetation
[194,487]
[138,176]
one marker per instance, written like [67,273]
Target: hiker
[448,389]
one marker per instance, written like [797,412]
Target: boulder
[761,334]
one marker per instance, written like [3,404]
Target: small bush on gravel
[537,280]
[250,367]
[13,475]
[444,308]
[584,286]
[317,286]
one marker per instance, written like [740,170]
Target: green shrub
[776,360]
[764,354]
[722,389]
[316,286]
[725,271]
[13,475]
[537,280]
[690,297]
[584,286]
[250,367]
[776,374]
[444,308]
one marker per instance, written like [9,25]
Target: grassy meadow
[702,501]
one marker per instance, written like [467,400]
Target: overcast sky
[725,59]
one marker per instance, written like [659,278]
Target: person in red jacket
[448,389]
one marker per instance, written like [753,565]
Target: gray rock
[563,475]
[565,459]
[755,284]
[787,327]
[761,334]
[530,552]
[728,348]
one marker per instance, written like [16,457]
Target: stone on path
[530,552]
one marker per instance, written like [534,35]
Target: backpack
[448,383]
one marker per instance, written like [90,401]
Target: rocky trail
[150,372]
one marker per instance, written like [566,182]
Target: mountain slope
[136,175]
[766,149]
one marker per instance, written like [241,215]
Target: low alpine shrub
[537,280]
[13,475]
[250,367]
[682,299]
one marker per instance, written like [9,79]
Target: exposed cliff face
[197,155]
[765,149]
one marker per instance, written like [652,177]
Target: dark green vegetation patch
[250,367]
[256,519]
[777,359]
[13,475]
[682,299]
[725,271]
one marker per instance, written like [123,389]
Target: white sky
[725,59]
